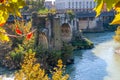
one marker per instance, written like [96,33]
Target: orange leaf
[2,24]
[29,35]
[2,1]
[18,31]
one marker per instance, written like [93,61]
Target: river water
[99,63]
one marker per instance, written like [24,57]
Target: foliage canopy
[110,5]
[8,7]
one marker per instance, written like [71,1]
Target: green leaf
[110,4]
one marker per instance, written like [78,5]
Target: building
[49,4]
[75,5]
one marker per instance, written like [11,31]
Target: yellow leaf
[3,18]
[117,7]
[21,3]
[98,8]
[116,19]
[15,1]
[3,36]
[18,14]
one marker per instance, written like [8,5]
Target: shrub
[67,53]
[30,70]
[13,59]
[83,43]
[58,73]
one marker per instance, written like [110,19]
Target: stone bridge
[53,30]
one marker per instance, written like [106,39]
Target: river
[99,63]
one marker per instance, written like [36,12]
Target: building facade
[75,5]
[48,4]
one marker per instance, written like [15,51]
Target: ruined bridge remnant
[52,30]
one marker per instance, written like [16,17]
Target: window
[83,4]
[76,5]
[69,4]
[72,4]
[87,4]
[80,5]
[90,4]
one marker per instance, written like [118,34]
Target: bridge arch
[43,40]
[66,32]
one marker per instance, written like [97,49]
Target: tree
[110,5]
[12,7]
[35,5]
[8,7]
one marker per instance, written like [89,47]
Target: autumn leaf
[29,35]
[3,16]
[99,7]
[14,0]
[18,31]
[117,7]
[2,24]
[2,1]
[21,3]
[116,20]
[18,14]
[3,35]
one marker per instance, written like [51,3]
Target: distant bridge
[88,21]
[93,14]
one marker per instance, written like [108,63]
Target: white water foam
[106,52]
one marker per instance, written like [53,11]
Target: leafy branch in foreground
[19,29]
[110,5]
[8,7]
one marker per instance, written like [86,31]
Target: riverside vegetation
[19,47]
[32,71]
[21,38]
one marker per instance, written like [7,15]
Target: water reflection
[106,52]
